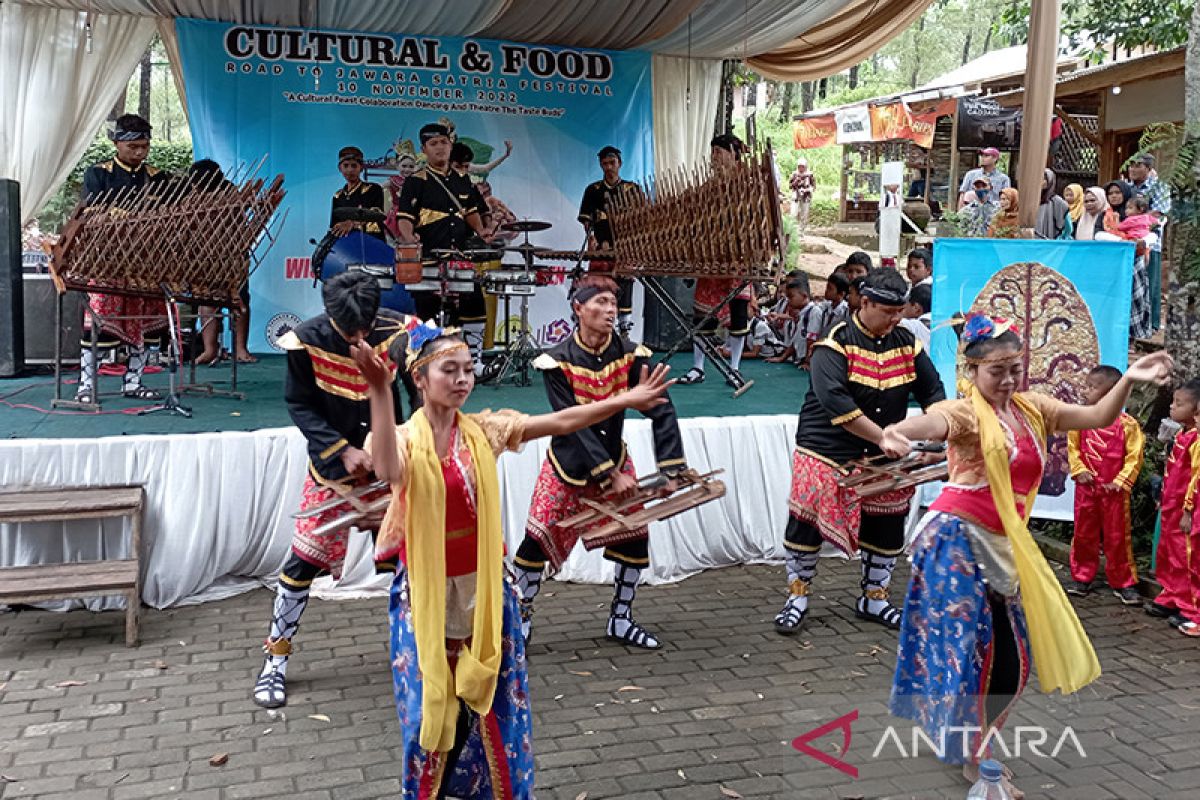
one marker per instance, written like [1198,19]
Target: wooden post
[1040,83]
[845,186]
[952,192]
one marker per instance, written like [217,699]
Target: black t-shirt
[364,195]
[438,204]
[103,181]
[594,207]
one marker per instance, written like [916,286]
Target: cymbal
[526,226]
[527,248]
[477,254]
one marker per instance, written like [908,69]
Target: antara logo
[843,724]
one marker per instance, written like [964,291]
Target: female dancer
[982,597]
[458,658]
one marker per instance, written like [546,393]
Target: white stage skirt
[218,514]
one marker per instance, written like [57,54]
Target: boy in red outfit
[1188,526]
[1105,463]
[1171,561]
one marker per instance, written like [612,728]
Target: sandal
[1191,629]
[693,375]
[270,690]
[87,396]
[634,636]
[888,616]
[789,620]
[141,392]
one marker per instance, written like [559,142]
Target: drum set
[457,272]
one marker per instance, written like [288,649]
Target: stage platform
[222,486]
[25,402]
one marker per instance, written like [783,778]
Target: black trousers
[1006,661]
[739,318]
[879,533]
[633,553]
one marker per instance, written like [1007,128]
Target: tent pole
[1040,77]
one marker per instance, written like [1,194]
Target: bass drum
[356,250]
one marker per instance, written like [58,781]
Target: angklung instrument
[880,474]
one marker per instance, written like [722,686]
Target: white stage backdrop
[218,516]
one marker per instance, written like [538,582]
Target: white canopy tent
[64,63]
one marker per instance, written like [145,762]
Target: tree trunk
[822,88]
[724,121]
[1182,334]
[144,87]
[785,102]
[806,97]
[853,77]
[966,55]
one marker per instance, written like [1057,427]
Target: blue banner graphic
[298,96]
[1071,303]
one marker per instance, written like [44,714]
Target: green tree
[1100,24]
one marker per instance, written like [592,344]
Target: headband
[585,293]
[883,296]
[432,131]
[423,335]
[124,135]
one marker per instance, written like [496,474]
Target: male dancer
[327,399]
[726,151]
[593,214]
[123,320]
[357,193]
[592,365]
[439,207]
[862,375]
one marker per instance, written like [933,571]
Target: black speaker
[12,308]
[40,297]
[662,332]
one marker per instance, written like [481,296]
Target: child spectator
[761,341]
[803,327]
[916,313]
[1139,221]
[1105,463]
[1171,560]
[854,295]
[1187,526]
[835,308]
[920,267]
[857,265]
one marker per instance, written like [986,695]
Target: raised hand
[1153,368]
[651,389]
[371,365]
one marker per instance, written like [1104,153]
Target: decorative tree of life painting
[1061,344]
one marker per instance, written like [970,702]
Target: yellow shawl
[1061,651]
[474,678]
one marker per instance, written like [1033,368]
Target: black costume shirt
[854,374]
[364,195]
[327,395]
[575,374]
[594,207]
[102,182]
[438,204]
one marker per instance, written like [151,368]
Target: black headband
[882,296]
[585,293]
[432,131]
[122,135]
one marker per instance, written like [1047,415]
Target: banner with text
[298,96]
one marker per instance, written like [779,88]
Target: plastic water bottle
[988,787]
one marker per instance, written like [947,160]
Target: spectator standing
[997,180]
[1054,215]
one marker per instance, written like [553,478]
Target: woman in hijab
[1074,196]
[1005,224]
[1053,217]
[1118,194]
[1096,214]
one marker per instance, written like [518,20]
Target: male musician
[726,153]
[124,320]
[357,193]
[592,365]
[327,400]
[440,208]
[862,374]
[593,214]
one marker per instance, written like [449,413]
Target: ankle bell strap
[278,647]
[799,587]
[876,594]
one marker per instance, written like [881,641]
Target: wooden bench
[39,582]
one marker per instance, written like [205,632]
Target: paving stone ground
[710,716]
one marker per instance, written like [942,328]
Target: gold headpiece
[420,336]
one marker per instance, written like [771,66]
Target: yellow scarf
[1076,205]
[474,679]
[1062,652]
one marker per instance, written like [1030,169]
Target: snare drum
[408,263]
[460,277]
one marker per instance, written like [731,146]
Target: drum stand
[170,403]
[694,332]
